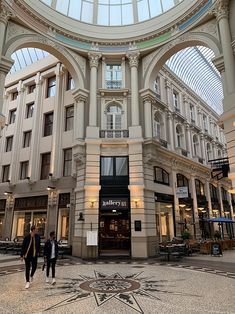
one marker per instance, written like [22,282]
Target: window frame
[31,88]
[27,140]
[51,87]
[67,118]
[24,171]
[70,82]
[113,73]
[164,174]
[184,180]
[69,161]
[45,165]
[5,175]
[12,116]
[29,111]
[48,125]
[199,188]
[8,138]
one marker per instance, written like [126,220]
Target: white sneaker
[53,281]
[27,285]
[47,279]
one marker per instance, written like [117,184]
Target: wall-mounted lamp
[81,218]
[182,205]
[136,203]
[200,208]
[7,193]
[50,188]
[92,204]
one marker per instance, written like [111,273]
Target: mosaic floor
[119,288]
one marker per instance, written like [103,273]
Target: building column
[170,131]
[195,209]
[80,97]
[148,119]
[208,197]
[94,63]
[176,203]
[34,163]
[169,98]
[203,148]
[134,61]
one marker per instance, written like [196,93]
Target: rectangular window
[27,139]
[51,86]
[113,76]
[121,166]
[45,166]
[70,82]
[67,162]
[9,142]
[29,110]
[69,118]
[192,113]
[107,166]
[24,165]
[12,116]
[48,124]
[31,88]
[14,96]
[161,176]
[176,101]
[205,123]
[5,173]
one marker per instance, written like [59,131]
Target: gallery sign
[114,203]
[182,192]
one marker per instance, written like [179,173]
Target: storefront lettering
[110,203]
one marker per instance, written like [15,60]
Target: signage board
[182,192]
[114,203]
[92,238]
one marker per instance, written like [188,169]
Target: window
[156,87]
[27,139]
[51,86]
[70,82]
[69,118]
[114,166]
[5,173]
[224,194]
[176,101]
[48,124]
[114,117]
[181,180]
[213,192]
[113,77]
[199,188]
[24,165]
[31,88]
[161,176]
[208,151]
[14,96]
[29,110]
[195,145]
[9,142]
[157,126]
[205,123]
[45,166]
[12,116]
[192,113]
[179,136]
[67,162]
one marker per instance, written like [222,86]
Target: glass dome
[111,12]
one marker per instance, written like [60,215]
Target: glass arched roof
[192,65]
[111,12]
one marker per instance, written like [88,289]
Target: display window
[164,221]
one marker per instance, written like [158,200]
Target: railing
[113,84]
[184,152]
[163,143]
[114,133]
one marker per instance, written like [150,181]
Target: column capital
[133,58]
[80,95]
[5,12]
[167,83]
[221,9]
[94,58]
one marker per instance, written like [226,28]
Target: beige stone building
[102,141]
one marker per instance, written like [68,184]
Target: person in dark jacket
[50,256]
[29,252]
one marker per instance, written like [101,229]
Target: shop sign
[114,203]
[182,192]
[92,238]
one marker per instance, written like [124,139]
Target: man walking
[50,255]
[29,252]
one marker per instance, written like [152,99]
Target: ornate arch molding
[155,61]
[73,62]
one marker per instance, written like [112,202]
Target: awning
[221,219]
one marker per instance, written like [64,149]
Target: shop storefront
[165,219]
[63,217]
[29,211]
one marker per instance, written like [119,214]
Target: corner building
[101,135]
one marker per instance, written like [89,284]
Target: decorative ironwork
[113,84]
[31,202]
[114,133]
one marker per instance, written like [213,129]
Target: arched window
[181,180]
[200,191]
[114,117]
[195,145]
[161,175]
[157,128]
[213,193]
[179,136]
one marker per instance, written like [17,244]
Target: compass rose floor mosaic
[119,288]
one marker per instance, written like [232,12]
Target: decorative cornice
[80,95]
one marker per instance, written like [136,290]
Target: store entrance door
[114,233]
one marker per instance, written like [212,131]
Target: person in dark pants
[50,256]
[29,252]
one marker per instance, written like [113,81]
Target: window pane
[115,15]
[121,166]
[75,9]
[87,12]
[67,162]
[143,10]
[103,15]
[127,14]
[106,166]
